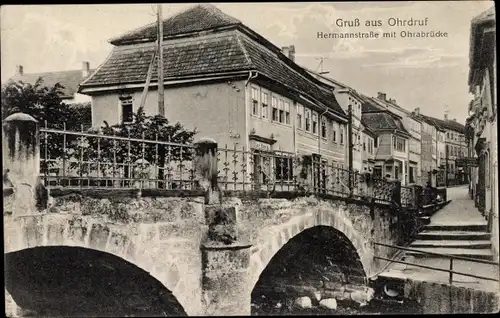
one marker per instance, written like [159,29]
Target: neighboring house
[483,84]
[363,142]
[225,80]
[68,79]
[433,149]
[455,149]
[414,126]
[391,155]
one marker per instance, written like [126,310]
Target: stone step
[482,244]
[453,235]
[464,252]
[482,227]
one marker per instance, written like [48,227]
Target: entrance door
[261,169]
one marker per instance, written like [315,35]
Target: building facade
[227,82]
[391,155]
[363,141]
[412,125]
[482,84]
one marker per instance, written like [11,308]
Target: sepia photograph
[250,159]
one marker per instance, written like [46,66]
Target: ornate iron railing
[83,159]
[89,159]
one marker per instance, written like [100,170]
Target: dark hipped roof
[378,119]
[229,51]
[194,19]
[69,79]
[382,121]
[485,19]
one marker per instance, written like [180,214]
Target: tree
[149,141]
[45,105]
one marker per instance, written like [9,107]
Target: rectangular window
[287,113]
[264,105]
[412,177]
[323,127]
[283,168]
[127,109]
[281,107]
[342,135]
[399,144]
[274,102]
[334,131]
[375,142]
[307,115]
[315,123]
[300,114]
[364,143]
[255,101]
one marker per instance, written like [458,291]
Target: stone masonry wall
[160,235]
[269,223]
[445,299]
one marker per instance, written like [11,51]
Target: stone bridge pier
[87,252]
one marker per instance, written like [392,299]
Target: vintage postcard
[214,159]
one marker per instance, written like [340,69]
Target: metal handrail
[437,269]
[451,257]
[438,254]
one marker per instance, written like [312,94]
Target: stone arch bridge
[179,253]
[173,240]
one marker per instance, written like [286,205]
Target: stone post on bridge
[225,261]
[225,249]
[21,164]
[205,167]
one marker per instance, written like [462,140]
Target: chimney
[289,51]
[381,96]
[291,54]
[417,111]
[445,116]
[19,70]
[85,69]
[286,50]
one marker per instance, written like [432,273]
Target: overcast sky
[426,73]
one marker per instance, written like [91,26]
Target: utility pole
[161,97]
[349,133]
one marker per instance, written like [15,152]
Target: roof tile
[215,54]
[197,18]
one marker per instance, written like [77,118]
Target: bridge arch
[130,244]
[75,281]
[280,235]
